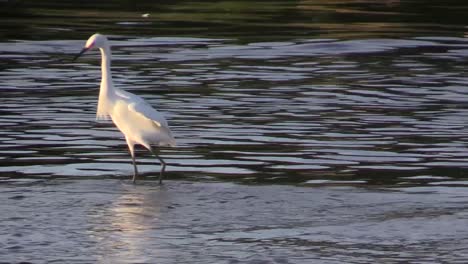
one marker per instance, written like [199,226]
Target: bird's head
[95,41]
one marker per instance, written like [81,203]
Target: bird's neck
[107,90]
[106,75]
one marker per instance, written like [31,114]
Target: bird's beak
[81,53]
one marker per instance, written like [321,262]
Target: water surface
[113,221]
[350,114]
[373,110]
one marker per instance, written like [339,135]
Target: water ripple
[255,111]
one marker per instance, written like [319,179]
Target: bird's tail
[168,140]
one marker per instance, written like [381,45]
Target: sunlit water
[365,122]
[111,221]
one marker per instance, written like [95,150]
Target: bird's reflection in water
[133,220]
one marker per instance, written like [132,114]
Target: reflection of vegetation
[250,20]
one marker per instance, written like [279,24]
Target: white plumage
[135,118]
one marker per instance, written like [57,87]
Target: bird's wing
[138,106]
[143,108]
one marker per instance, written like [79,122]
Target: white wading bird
[135,118]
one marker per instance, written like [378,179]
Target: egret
[136,119]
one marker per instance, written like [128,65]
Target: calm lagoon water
[334,132]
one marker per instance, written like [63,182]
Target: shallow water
[113,221]
[358,108]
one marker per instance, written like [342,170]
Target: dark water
[358,107]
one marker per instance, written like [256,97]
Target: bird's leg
[135,170]
[163,166]
[131,148]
